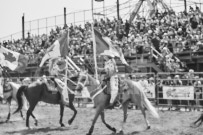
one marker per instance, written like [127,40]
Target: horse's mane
[14,85]
[92,79]
[35,83]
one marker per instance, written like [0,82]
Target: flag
[101,44]
[58,49]
[105,43]
[13,60]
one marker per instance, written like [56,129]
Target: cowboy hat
[107,53]
[27,79]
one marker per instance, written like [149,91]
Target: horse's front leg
[98,112]
[107,125]
[61,115]
[125,110]
[9,109]
[72,107]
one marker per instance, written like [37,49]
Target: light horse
[38,91]
[10,90]
[101,98]
[131,92]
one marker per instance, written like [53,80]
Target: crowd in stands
[168,32]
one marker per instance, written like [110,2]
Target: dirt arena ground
[170,122]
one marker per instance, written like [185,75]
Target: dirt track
[170,123]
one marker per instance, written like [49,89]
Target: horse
[101,98]
[131,91]
[39,91]
[10,90]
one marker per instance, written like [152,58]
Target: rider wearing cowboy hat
[111,77]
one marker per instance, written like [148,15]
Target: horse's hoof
[36,124]
[148,127]
[62,125]
[29,128]
[7,120]
[70,122]
[121,132]
[114,130]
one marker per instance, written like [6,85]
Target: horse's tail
[149,106]
[19,97]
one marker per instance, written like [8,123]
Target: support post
[185,3]
[23,27]
[118,14]
[64,16]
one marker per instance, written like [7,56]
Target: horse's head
[85,79]
[6,84]
[82,80]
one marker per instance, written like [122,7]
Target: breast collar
[8,90]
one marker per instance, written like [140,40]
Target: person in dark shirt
[127,28]
[156,42]
[193,22]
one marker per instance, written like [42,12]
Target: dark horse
[38,91]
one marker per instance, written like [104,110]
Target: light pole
[92,10]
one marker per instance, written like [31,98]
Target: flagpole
[66,69]
[94,52]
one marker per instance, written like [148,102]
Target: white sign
[178,92]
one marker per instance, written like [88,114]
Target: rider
[111,78]
[61,85]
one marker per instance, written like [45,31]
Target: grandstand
[156,40]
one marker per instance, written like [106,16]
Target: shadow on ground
[37,130]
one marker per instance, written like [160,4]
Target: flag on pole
[105,43]
[13,60]
[58,49]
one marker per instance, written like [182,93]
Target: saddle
[106,82]
[52,86]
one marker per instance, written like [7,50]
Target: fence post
[84,17]
[64,16]
[55,21]
[23,27]
[74,18]
[30,26]
[46,27]
[38,27]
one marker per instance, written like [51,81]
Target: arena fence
[168,90]
[180,90]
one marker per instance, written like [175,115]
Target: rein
[95,90]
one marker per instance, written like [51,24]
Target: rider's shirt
[110,68]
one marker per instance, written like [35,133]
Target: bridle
[82,76]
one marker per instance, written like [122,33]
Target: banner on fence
[178,92]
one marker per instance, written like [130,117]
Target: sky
[13,10]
